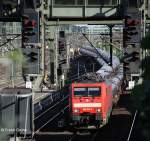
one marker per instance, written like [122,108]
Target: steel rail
[40,97]
[51,119]
[74,135]
[131,129]
[51,107]
[94,136]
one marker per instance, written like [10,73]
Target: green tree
[141,93]
[16,55]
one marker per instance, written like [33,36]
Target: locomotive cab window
[87,92]
[93,91]
[80,91]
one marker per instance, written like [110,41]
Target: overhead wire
[9,40]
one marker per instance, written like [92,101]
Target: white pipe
[105,71]
[105,55]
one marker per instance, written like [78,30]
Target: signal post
[131,45]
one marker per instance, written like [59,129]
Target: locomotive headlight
[98,110]
[76,110]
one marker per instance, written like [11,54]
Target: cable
[110,43]
[95,48]
[9,34]
[10,40]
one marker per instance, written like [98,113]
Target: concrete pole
[111,50]
[56,57]
[78,69]
[12,74]
[148,11]
[43,41]
[68,54]
[144,18]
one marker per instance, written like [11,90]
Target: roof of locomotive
[107,82]
[90,78]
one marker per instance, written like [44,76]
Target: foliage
[141,93]
[145,110]
[145,41]
[137,96]
[16,55]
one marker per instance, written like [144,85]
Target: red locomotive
[91,103]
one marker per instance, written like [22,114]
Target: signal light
[135,56]
[29,33]
[126,66]
[125,54]
[131,57]
[32,56]
[127,16]
[131,22]
[32,59]
[25,39]
[126,69]
[59,71]
[28,28]
[62,34]
[132,33]
[29,23]
[25,17]
[130,29]
[126,63]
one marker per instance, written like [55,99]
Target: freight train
[91,102]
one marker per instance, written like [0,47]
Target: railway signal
[30,41]
[28,29]
[61,43]
[131,43]
[132,57]
[130,29]
[62,49]
[128,58]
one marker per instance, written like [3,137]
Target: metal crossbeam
[54,22]
[148,21]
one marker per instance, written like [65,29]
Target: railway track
[84,135]
[50,114]
[117,129]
